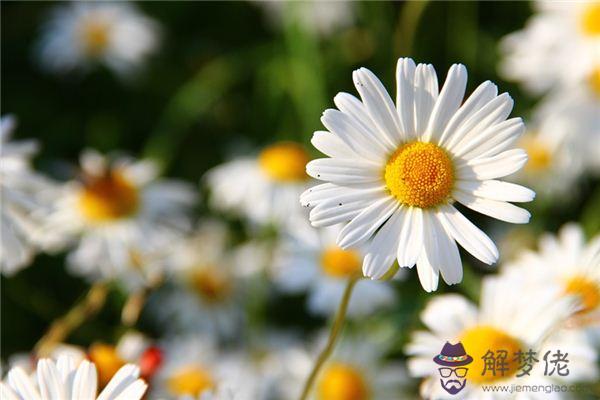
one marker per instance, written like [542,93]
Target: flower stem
[61,328]
[336,328]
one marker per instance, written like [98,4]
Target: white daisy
[560,45]
[357,370]
[511,317]
[82,34]
[207,295]
[24,192]
[312,261]
[568,261]
[318,17]
[195,369]
[122,218]
[262,188]
[395,171]
[68,379]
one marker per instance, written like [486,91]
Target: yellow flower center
[94,36]
[587,290]
[590,19]
[594,81]
[342,382]
[540,155]
[108,198]
[481,339]
[211,285]
[284,162]
[340,263]
[420,174]
[190,380]
[107,361]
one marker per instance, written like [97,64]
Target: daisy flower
[24,192]
[82,34]
[313,261]
[206,297]
[262,188]
[194,369]
[357,370]
[120,215]
[511,318]
[560,45]
[568,261]
[68,379]
[396,171]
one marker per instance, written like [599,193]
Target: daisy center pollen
[190,381]
[587,290]
[342,382]
[420,175]
[107,361]
[211,285]
[339,263]
[590,19]
[284,162]
[481,339]
[94,36]
[108,198]
[540,155]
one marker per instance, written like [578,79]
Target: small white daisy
[560,45]
[568,261]
[312,261]
[67,379]
[121,217]
[24,192]
[511,317]
[207,295]
[82,34]
[195,369]
[262,188]
[396,170]
[357,370]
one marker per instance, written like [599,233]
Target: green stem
[408,22]
[336,328]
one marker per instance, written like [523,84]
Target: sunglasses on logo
[447,372]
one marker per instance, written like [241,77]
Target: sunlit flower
[318,17]
[357,370]
[511,318]
[194,369]
[560,45]
[24,192]
[396,170]
[69,379]
[206,296]
[262,188]
[312,261]
[82,34]
[568,261]
[122,218]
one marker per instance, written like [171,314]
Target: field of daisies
[300,200]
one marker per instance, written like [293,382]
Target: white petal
[381,252]
[441,250]
[449,314]
[367,222]
[85,384]
[493,140]
[497,190]
[447,103]
[426,94]
[331,145]
[379,104]
[328,192]
[120,381]
[410,242]
[22,384]
[500,165]
[6,392]
[481,96]
[497,209]
[405,102]
[470,237]
[135,391]
[332,213]
[343,171]
[49,380]
[354,108]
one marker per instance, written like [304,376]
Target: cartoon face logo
[453,372]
